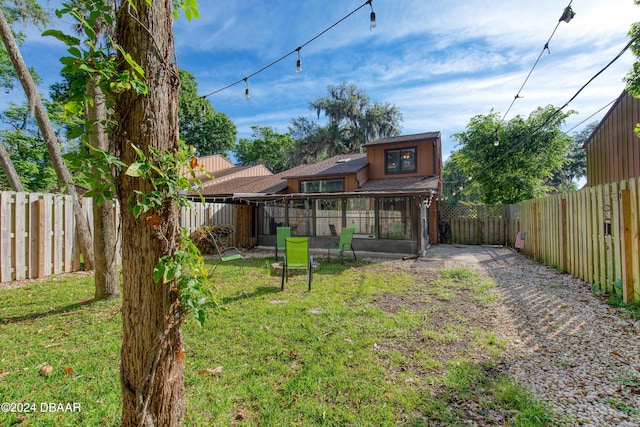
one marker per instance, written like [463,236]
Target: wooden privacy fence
[591,234]
[37,236]
[38,231]
[479,224]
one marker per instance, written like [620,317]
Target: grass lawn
[373,344]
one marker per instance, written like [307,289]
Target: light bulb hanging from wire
[246,91]
[372,17]
[496,142]
[299,61]
[567,15]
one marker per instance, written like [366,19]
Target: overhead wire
[567,15]
[552,115]
[296,50]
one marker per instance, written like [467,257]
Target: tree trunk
[64,177]
[106,278]
[152,374]
[9,170]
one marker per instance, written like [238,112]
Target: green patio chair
[281,234]
[225,255]
[345,244]
[296,257]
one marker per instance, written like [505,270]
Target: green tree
[353,121]
[18,11]
[456,186]
[529,151]
[27,150]
[24,11]
[633,77]
[211,132]
[266,147]
[565,179]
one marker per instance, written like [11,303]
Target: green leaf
[158,271]
[137,169]
[66,39]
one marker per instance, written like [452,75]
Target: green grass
[369,345]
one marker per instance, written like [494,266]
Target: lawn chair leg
[212,269]
[354,254]
[283,273]
[310,273]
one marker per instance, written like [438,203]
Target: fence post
[627,241]
[40,237]
[563,247]
[535,232]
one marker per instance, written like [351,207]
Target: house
[388,194]
[613,149]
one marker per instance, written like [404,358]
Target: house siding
[427,158]
[613,149]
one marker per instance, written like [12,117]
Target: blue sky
[439,62]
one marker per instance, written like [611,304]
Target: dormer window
[402,160]
[322,186]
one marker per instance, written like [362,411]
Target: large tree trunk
[64,177]
[106,278]
[9,170]
[152,376]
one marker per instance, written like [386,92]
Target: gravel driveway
[568,346]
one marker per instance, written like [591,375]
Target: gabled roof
[405,138]
[344,164]
[270,184]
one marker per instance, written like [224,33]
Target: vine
[95,59]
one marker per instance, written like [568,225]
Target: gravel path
[569,347]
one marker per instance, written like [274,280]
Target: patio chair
[345,244]
[281,234]
[296,257]
[225,255]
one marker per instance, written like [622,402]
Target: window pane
[392,161]
[310,186]
[395,218]
[328,216]
[361,215]
[272,217]
[408,160]
[300,216]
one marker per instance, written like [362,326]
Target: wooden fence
[38,232]
[591,234]
[480,224]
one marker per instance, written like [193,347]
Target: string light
[246,91]
[372,17]
[557,110]
[567,15]
[299,61]
[372,23]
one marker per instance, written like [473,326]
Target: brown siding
[427,154]
[613,152]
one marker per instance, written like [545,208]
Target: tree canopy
[528,152]
[352,121]
[211,132]
[266,147]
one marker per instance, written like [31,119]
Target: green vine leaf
[64,38]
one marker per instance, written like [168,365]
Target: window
[322,186]
[301,217]
[361,215]
[395,218]
[400,160]
[328,217]
[273,216]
